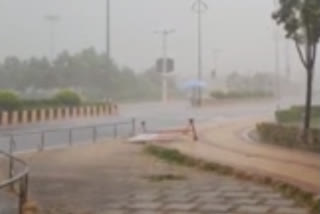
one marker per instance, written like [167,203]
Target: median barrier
[14,118]
[24,119]
[4,118]
[8,118]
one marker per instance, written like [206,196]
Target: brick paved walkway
[113,179]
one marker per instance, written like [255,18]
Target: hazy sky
[241,30]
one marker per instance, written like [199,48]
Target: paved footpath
[226,143]
[114,178]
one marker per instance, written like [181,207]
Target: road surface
[156,115]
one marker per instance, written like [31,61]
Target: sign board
[160,65]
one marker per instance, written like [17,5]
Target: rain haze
[159,106]
[240,32]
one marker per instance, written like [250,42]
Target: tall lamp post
[52,19]
[199,7]
[108,29]
[216,57]
[164,34]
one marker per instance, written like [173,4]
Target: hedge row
[240,94]
[10,101]
[289,136]
[295,113]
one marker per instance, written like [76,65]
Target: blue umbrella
[194,84]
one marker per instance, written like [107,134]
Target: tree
[301,21]
[67,97]
[9,100]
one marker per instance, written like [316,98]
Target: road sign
[160,65]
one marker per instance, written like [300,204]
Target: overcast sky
[242,31]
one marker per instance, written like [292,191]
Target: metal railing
[16,180]
[65,136]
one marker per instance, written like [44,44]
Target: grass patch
[173,156]
[288,136]
[315,123]
[165,177]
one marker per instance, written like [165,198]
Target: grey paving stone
[250,209]
[222,208]
[242,194]
[270,195]
[112,181]
[280,202]
[115,211]
[145,206]
[246,201]
[114,205]
[179,206]
[290,210]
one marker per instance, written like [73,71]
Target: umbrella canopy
[194,84]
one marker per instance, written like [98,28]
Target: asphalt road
[156,115]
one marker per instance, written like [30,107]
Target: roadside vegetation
[295,115]
[287,130]
[12,101]
[301,23]
[88,72]
[221,95]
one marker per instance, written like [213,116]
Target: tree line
[90,73]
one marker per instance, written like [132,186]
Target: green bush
[39,103]
[67,97]
[9,100]
[289,136]
[240,94]
[295,114]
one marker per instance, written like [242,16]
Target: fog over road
[156,115]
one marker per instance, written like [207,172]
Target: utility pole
[164,72]
[108,30]
[216,55]
[199,7]
[52,19]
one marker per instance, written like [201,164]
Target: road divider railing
[22,117]
[14,178]
[40,140]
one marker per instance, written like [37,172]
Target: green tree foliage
[301,21]
[9,100]
[87,71]
[67,97]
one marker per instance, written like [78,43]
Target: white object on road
[142,138]
[151,137]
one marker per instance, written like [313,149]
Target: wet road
[156,115]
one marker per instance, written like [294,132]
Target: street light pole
[216,55]
[164,72]
[108,30]
[199,7]
[52,19]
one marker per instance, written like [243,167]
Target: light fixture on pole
[164,62]
[52,19]
[199,7]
